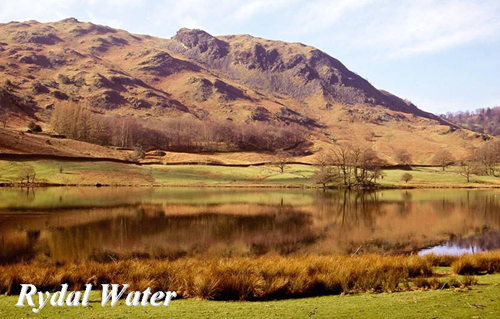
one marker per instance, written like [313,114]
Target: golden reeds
[477,264]
[260,278]
[239,278]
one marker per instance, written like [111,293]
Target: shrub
[406,177]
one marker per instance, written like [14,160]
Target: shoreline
[241,186]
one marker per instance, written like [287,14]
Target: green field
[481,301]
[108,173]
[433,176]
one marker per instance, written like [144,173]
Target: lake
[63,224]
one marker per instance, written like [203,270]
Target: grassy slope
[481,301]
[192,175]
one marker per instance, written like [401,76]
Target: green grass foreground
[108,173]
[480,301]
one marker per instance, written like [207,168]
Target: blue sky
[444,55]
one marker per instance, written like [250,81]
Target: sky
[443,55]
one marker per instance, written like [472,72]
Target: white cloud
[20,10]
[382,28]
[250,9]
[387,29]
[133,3]
[426,26]
[114,23]
[320,15]
[54,10]
[186,13]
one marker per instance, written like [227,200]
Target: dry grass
[434,283]
[243,278]
[262,278]
[477,264]
[441,260]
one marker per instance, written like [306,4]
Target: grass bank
[241,278]
[479,301]
[261,278]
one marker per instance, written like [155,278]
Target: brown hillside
[236,78]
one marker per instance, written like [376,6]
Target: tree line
[357,167]
[481,161]
[174,134]
[486,120]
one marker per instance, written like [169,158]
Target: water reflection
[76,224]
[458,245]
[450,249]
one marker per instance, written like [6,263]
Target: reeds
[262,278]
[477,264]
[441,260]
[242,278]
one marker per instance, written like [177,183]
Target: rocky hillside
[236,78]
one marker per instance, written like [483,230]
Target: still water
[63,224]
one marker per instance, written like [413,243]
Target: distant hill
[236,79]
[485,120]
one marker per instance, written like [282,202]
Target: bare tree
[281,159]
[402,157]
[367,166]
[466,169]
[322,159]
[357,166]
[406,177]
[343,159]
[27,173]
[325,175]
[443,158]
[138,153]
[377,173]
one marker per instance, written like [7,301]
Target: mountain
[235,78]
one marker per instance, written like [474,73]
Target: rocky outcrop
[163,64]
[199,43]
[37,59]
[290,116]
[107,99]
[202,89]
[44,36]
[260,114]
[292,69]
